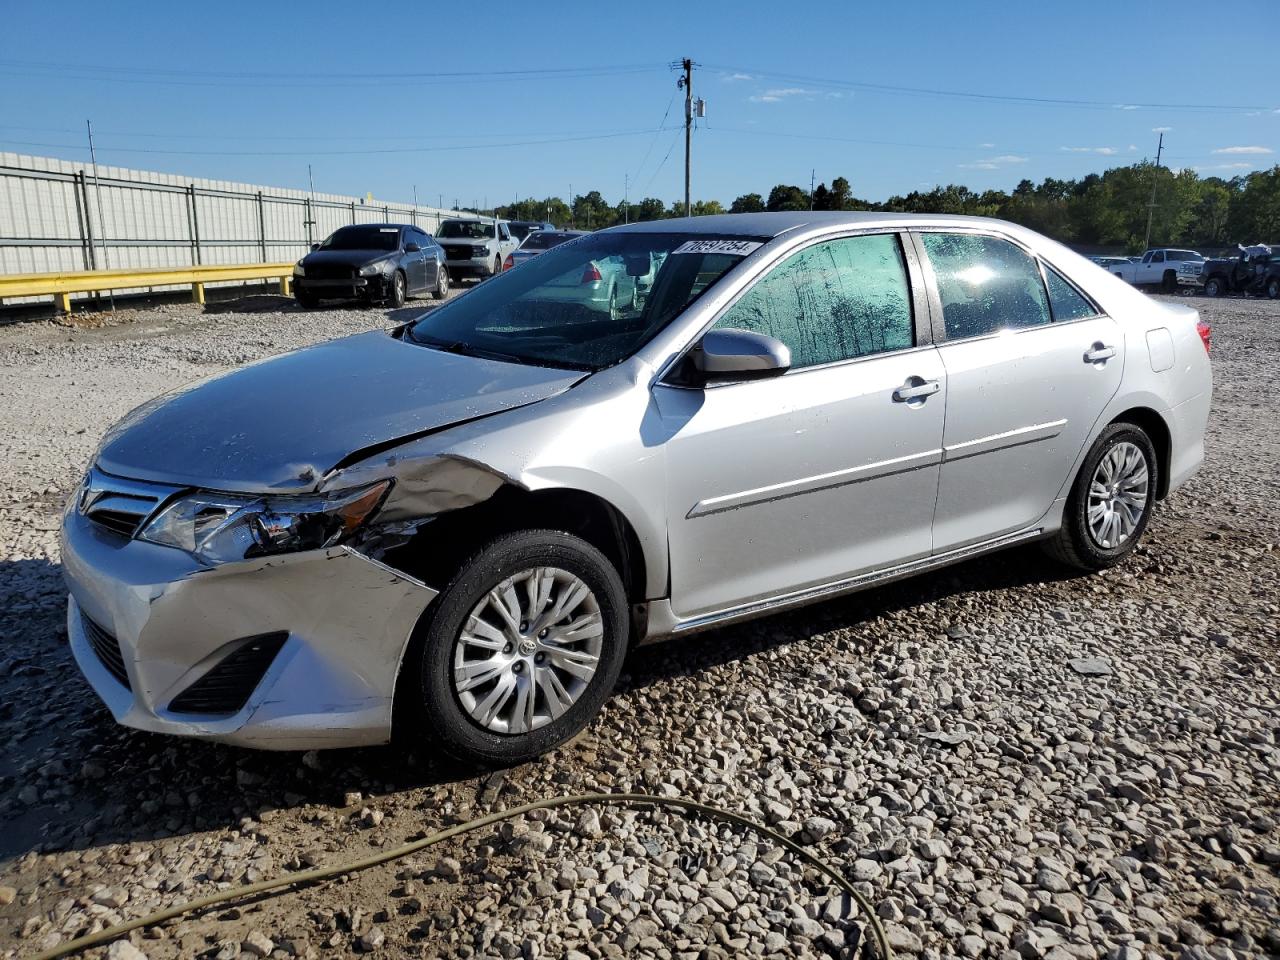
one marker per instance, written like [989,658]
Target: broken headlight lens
[219,528]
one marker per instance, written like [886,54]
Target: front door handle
[1098,353]
[916,388]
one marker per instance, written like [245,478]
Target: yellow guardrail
[62,285]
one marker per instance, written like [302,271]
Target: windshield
[465,230]
[588,304]
[545,240]
[363,238]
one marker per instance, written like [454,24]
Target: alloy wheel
[528,650]
[1118,495]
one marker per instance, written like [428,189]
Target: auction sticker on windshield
[740,247]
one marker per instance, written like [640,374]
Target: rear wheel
[520,650]
[1110,502]
[442,284]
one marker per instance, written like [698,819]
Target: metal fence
[56,216]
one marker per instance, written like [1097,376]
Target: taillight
[508,263]
[591,274]
[1206,334]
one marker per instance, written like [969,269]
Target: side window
[986,284]
[832,301]
[1158,257]
[1065,300]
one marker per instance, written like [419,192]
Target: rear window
[544,240]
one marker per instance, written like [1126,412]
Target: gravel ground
[1010,761]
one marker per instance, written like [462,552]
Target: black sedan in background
[373,262]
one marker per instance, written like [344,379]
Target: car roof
[382,226]
[776,224]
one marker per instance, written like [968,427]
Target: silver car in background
[457,530]
[539,241]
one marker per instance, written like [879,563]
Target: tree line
[1100,210]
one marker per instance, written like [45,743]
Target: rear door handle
[916,388]
[1098,353]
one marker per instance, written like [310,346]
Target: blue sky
[253,92]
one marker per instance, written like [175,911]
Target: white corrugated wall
[155,219]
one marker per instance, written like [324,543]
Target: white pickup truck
[1156,268]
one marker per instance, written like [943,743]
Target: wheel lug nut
[507,648]
[524,625]
[539,658]
[518,667]
[543,633]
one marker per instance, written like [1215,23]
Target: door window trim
[940,337]
[920,310]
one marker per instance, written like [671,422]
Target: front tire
[1273,288]
[1110,502]
[1213,287]
[520,650]
[442,284]
[1169,282]
[307,301]
[399,289]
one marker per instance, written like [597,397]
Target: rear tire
[450,650]
[1106,487]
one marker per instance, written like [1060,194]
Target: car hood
[346,258]
[281,424]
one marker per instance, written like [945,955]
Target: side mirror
[412,247]
[315,246]
[739,355]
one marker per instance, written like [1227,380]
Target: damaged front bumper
[147,622]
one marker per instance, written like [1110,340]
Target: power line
[658,170]
[972,95]
[658,130]
[334,153]
[239,79]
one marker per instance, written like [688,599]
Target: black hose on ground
[385,856]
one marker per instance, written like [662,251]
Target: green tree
[786,197]
[748,203]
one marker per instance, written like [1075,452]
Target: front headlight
[220,528]
[371,269]
[299,270]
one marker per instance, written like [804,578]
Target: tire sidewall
[445,721]
[1077,510]
[399,289]
[1213,288]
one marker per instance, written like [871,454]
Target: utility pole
[1151,207]
[687,83]
[812,173]
[102,223]
[311,212]
[626,194]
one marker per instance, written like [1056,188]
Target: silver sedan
[455,531]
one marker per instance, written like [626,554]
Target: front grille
[330,271]
[225,689]
[107,649]
[458,253]
[121,505]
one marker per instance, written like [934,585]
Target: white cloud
[1125,106]
[1162,129]
[1228,166]
[993,163]
[987,146]
[1257,151]
[734,77]
[777,94]
[1103,151]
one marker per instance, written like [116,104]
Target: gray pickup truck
[475,247]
